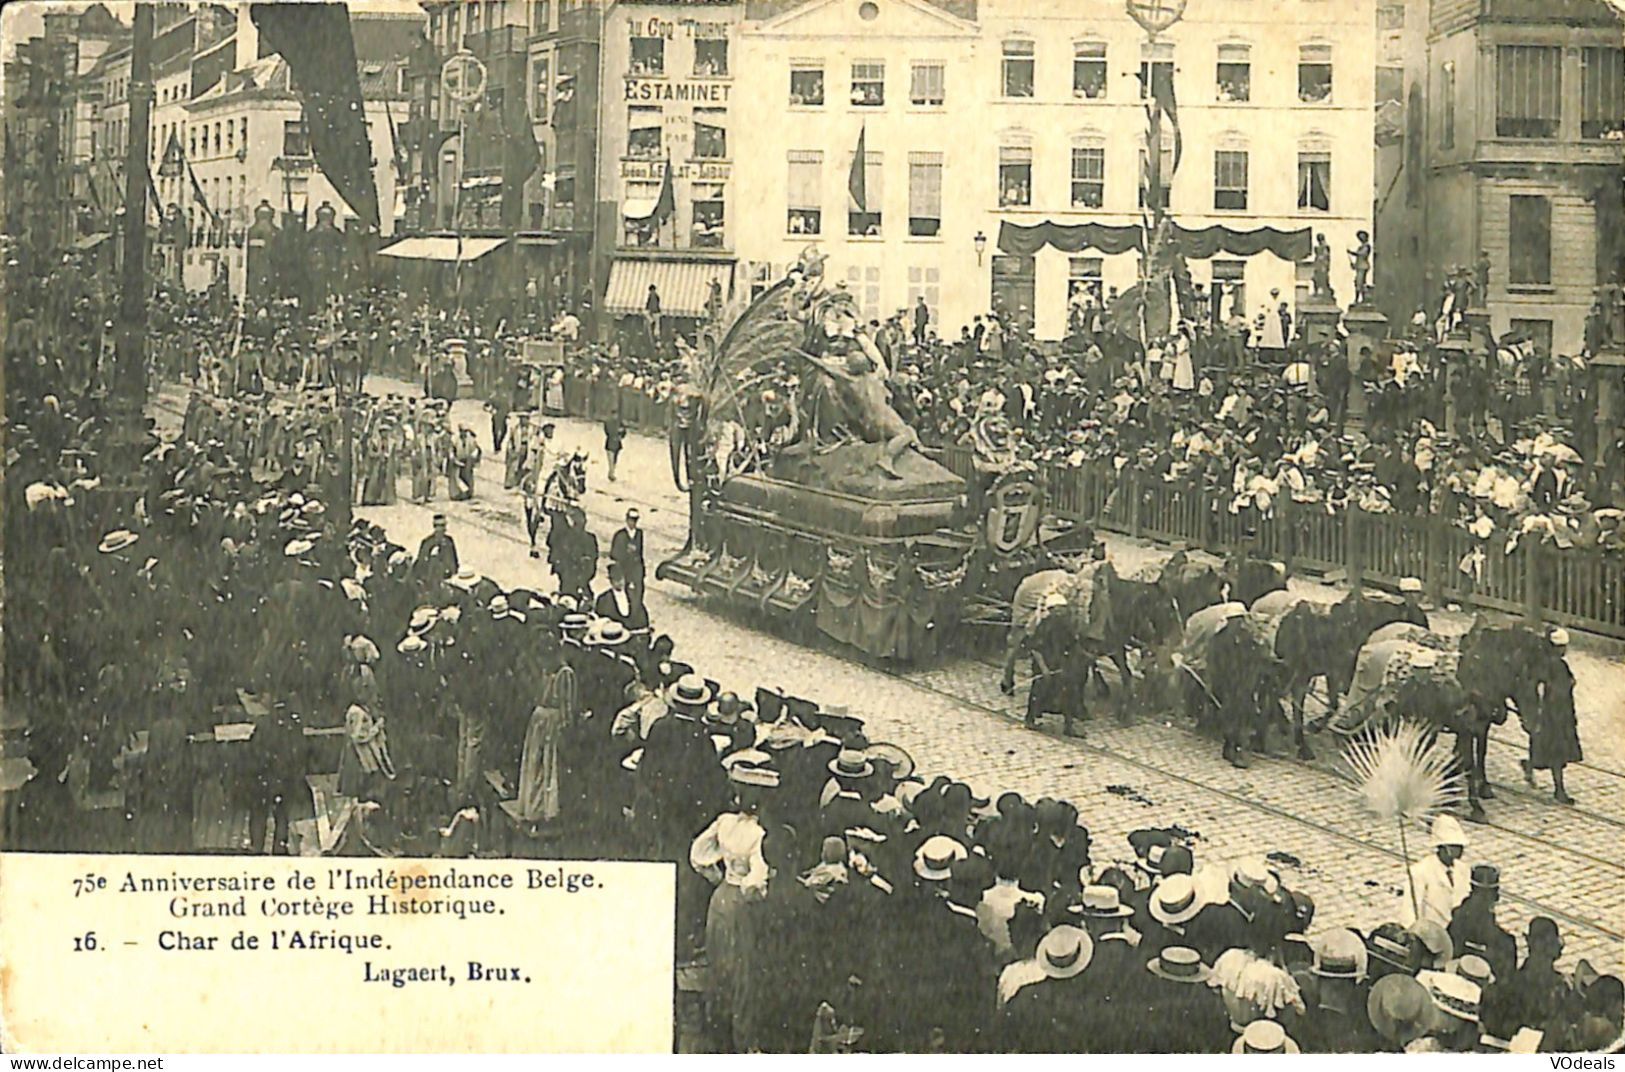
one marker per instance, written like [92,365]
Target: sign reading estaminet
[134,954]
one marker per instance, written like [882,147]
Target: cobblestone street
[1562,862]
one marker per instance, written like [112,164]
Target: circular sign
[1155,16]
[464,77]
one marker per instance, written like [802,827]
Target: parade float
[810,498]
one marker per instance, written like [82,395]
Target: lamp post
[980,242]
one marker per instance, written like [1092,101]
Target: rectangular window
[540,16]
[1156,67]
[868,85]
[1538,332]
[924,194]
[711,57]
[1315,74]
[1018,68]
[924,282]
[1447,106]
[1528,91]
[1088,176]
[231,136]
[806,85]
[1232,277]
[1230,179]
[191,140]
[217,141]
[762,278]
[1015,176]
[644,125]
[927,85]
[1085,281]
[1089,70]
[805,193]
[1391,17]
[708,216]
[648,57]
[245,132]
[864,286]
[1315,181]
[711,133]
[1530,237]
[295,138]
[1602,92]
[455,28]
[1234,73]
[864,219]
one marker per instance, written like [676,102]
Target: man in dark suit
[1177,1012]
[618,605]
[437,554]
[626,551]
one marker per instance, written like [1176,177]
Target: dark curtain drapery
[1198,243]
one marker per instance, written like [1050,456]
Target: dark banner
[1199,243]
[1071,238]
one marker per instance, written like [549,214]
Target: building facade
[1515,115]
[976,115]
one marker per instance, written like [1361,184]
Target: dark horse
[1192,584]
[1512,664]
[1317,641]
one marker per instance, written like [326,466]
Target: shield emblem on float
[1015,507]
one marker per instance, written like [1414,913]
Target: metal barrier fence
[1581,588]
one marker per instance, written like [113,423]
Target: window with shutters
[1230,179]
[645,124]
[1447,105]
[806,85]
[295,138]
[863,283]
[648,57]
[1602,92]
[1315,181]
[543,92]
[1528,91]
[711,133]
[1089,176]
[1234,74]
[1530,237]
[869,84]
[1315,74]
[1018,68]
[924,194]
[804,193]
[711,57]
[1085,282]
[1089,70]
[864,220]
[1015,176]
[924,282]
[708,216]
[927,85]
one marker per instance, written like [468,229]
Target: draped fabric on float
[878,612]
[315,41]
[1199,243]
[1024,241]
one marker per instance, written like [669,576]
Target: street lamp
[980,242]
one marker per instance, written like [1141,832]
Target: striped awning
[683,286]
[440,248]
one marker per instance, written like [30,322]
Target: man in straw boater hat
[1177,1011]
[1454,1024]
[1335,994]
[1264,1036]
[1175,900]
[681,787]
[1439,881]
[1045,1008]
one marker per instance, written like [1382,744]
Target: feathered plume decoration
[1404,773]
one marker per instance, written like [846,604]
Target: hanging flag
[316,42]
[199,198]
[521,157]
[666,203]
[152,195]
[174,157]
[1162,94]
[857,181]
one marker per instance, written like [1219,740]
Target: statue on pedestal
[1321,268]
[1481,277]
[1360,261]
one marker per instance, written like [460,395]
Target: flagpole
[127,393]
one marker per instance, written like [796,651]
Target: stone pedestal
[1366,327]
[1608,366]
[1317,319]
[1477,322]
[1454,353]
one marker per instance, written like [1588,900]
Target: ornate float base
[874,561]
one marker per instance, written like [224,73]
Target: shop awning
[683,286]
[90,241]
[639,208]
[440,248]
